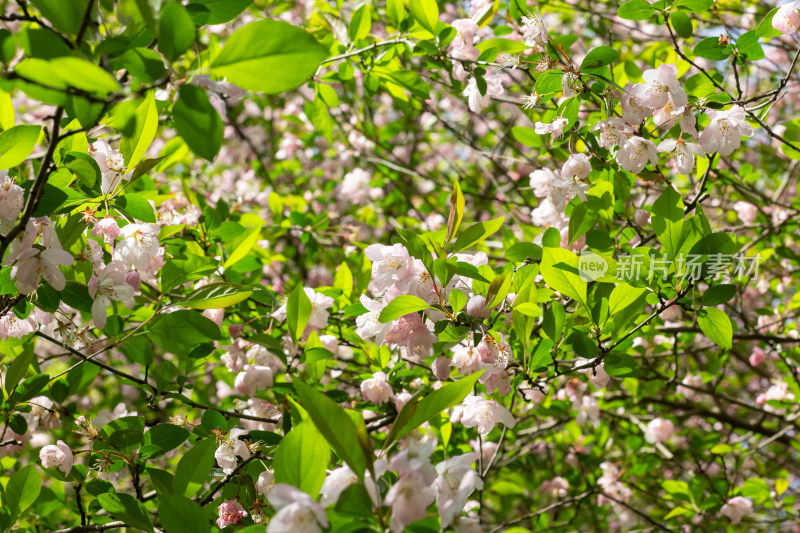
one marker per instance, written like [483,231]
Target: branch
[93,527]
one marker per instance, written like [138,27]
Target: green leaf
[162,438]
[456,212]
[182,331]
[361,23]
[600,56]
[695,6]
[716,325]
[620,365]
[269,56]
[682,24]
[134,146]
[401,306]
[718,294]
[176,30]
[748,44]
[667,220]
[65,15]
[765,28]
[216,296]
[560,271]
[635,10]
[337,428]
[16,144]
[136,206]
[418,411]
[16,371]
[197,122]
[143,63]
[126,508]
[123,434]
[298,311]
[22,490]
[302,458]
[194,467]
[179,514]
[709,48]
[426,12]
[622,296]
[220,11]
[476,233]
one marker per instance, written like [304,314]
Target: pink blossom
[613,132]
[35,264]
[377,390]
[107,228]
[747,212]
[786,19]
[266,482]
[725,131]
[12,197]
[252,379]
[737,508]
[541,181]
[389,265]
[297,511]
[409,499]
[659,430]
[758,356]
[139,243]
[230,512]
[684,153]
[556,128]
[109,286]
[633,111]
[229,448]
[485,414]
[533,30]
[57,456]
[635,153]
[659,85]
[454,482]
[478,102]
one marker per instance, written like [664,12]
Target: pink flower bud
[230,512]
[133,279]
[441,367]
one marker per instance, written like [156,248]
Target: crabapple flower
[635,153]
[477,101]
[42,411]
[139,243]
[297,511]
[57,456]
[230,512]
[266,482]
[368,325]
[684,153]
[747,212]
[355,188]
[786,19]
[659,430]
[725,131]
[409,499]
[476,307]
[454,482]
[107,286]
[533,30]
[376,390]
[467,360]
[389,265]
[505,60]
[556,128]
[613,132]
[230,447]
[252,379]
[12,197]
[34,264]
[659,85]
[412,335]
[111,163]
[106,228]
[737,508]
[757,357]
[577,166]
[541,181]
[633,112]
[485,414]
